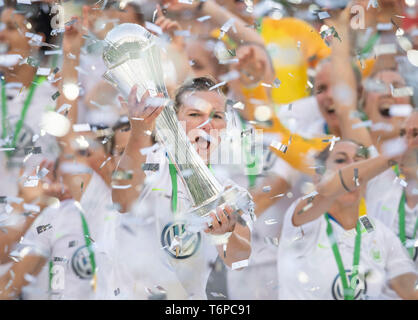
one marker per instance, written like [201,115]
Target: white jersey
[63,243]
[31,131]
[307,268]
[383,196]
[9,170]
[149,270]
[41,102]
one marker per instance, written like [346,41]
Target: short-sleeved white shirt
[145,264]
[42,101]
[307,268]
[64,243]
[383,196]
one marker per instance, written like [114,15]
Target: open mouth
[330,110]
[202,142]
[384,110]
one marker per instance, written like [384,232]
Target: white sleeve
[398,261]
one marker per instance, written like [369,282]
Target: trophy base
[238,199]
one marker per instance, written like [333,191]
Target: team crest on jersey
[178,242]
[338,289]
[81,263]
[376,255]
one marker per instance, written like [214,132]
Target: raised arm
[345,87]
[220,15]
[71,45]
[334,184]
[72,42]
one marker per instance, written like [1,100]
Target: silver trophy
[132,56]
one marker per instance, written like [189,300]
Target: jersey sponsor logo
[81,263]
[359,282]
[178,242]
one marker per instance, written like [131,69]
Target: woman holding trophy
[169,189]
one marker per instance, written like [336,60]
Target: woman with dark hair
[330,248]
[154,195]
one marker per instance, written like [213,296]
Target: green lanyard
[87,238]
[348,290]
[173,175]
[251,177]
[401,216]
[51,264]
[36,81]
[174,192]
